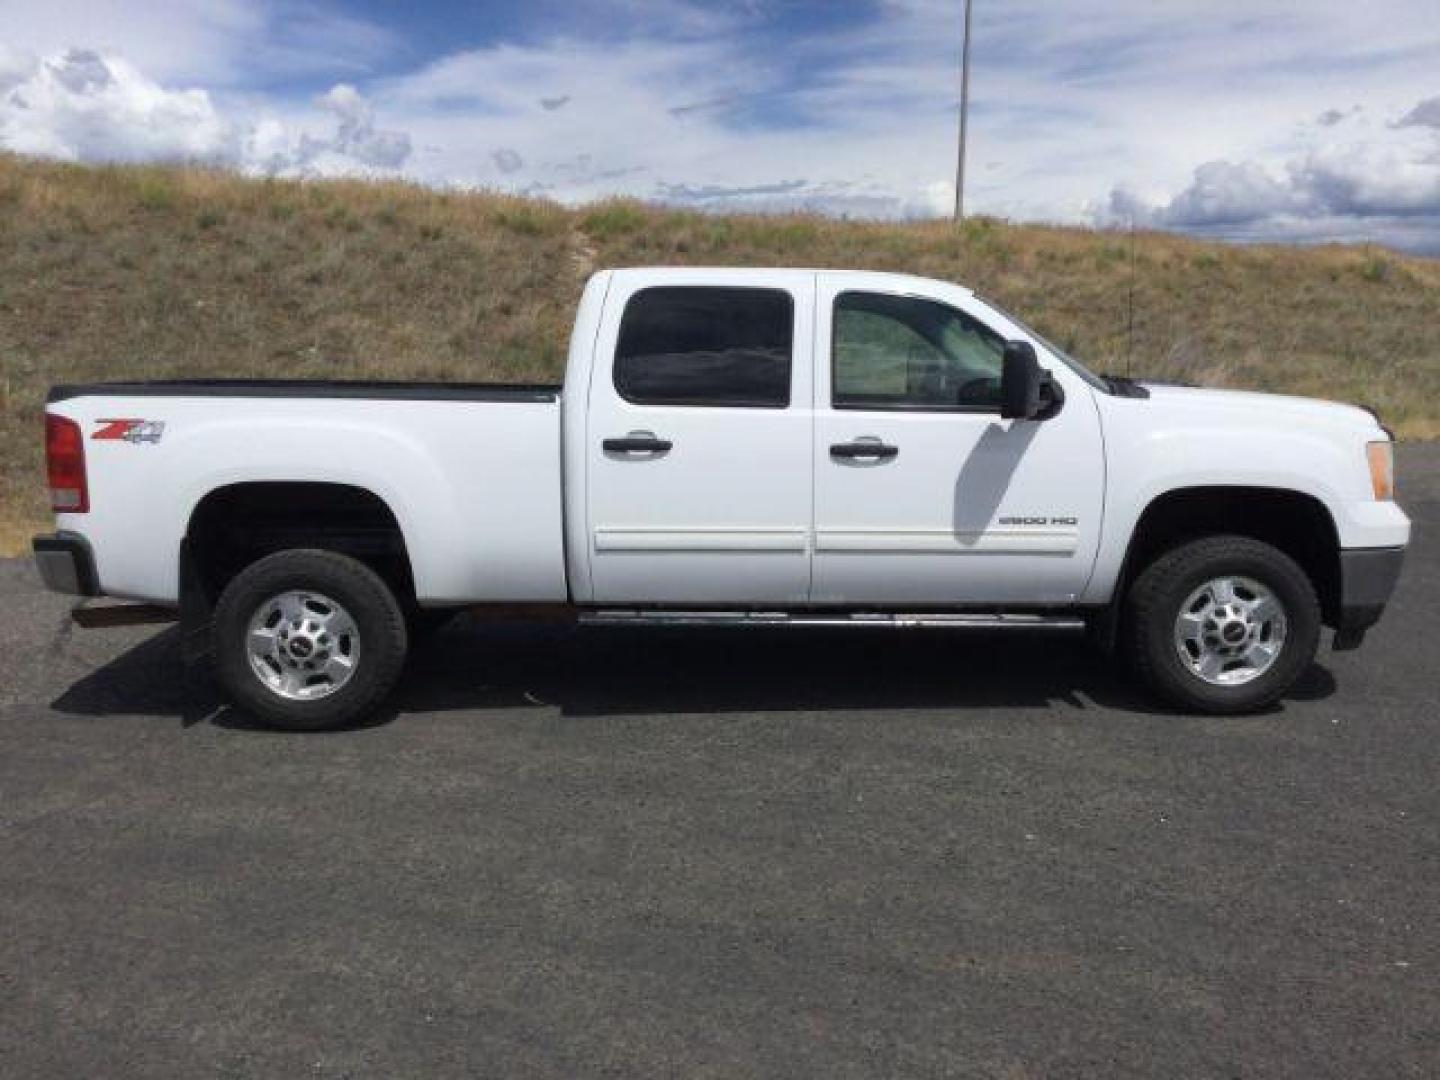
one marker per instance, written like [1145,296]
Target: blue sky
[1246,119]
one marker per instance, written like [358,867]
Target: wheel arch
[235,524]
[1295,522]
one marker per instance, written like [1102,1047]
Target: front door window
[909,353]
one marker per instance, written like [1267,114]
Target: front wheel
[1224,625]
[308,639]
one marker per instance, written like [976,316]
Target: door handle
[862,448]
[638,442]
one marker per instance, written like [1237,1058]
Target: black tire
[1154,604]
[359,590]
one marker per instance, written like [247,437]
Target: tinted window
[706,346]
[904,352]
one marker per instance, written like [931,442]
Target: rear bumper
[1367,578]
[66,564]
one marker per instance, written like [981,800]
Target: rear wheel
[308,639]
[1225,624]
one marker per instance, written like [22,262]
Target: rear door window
[706,346]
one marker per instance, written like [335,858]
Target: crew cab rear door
[923,494]
[699,441]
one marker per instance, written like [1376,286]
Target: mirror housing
[1020,381]
[1027,391]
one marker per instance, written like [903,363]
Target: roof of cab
[760,272]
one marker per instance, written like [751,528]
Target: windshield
[1073,364]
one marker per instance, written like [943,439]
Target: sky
[1288,120]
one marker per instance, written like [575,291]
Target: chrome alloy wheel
[302,645]
[1230,631]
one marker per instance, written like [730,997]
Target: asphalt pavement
[630,852]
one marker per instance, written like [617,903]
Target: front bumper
[66,564]
[1367,578]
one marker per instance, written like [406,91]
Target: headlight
[1381,456]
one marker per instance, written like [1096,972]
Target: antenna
[1130,307]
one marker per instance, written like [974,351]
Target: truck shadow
[598,672]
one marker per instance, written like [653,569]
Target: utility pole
[964,117]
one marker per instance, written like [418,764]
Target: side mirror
[1027,391]
[1020,382]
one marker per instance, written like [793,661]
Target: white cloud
[1377,180]
[658,120]
[1074,99]
[1218,116]
[217,43]
[357,138]
[80,105]
[1224,193]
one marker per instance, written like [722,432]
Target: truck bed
[470,472]
[312,388]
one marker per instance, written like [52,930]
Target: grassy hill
[126,272]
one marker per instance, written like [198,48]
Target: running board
[958,621]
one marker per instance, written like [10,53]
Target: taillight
[65,465]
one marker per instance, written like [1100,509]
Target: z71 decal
[131,431]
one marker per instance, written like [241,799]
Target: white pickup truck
[740,447]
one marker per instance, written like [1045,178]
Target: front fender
[1169,454]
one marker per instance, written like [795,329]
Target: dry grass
[161,272]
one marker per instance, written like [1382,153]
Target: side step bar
[957,621]
[125,614]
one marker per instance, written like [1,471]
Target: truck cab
[798,438]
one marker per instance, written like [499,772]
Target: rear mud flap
[195,611]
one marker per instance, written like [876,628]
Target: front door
[923,494]
[699,440]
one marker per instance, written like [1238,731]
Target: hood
[1249,406]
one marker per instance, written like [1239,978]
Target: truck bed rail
[312,388]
